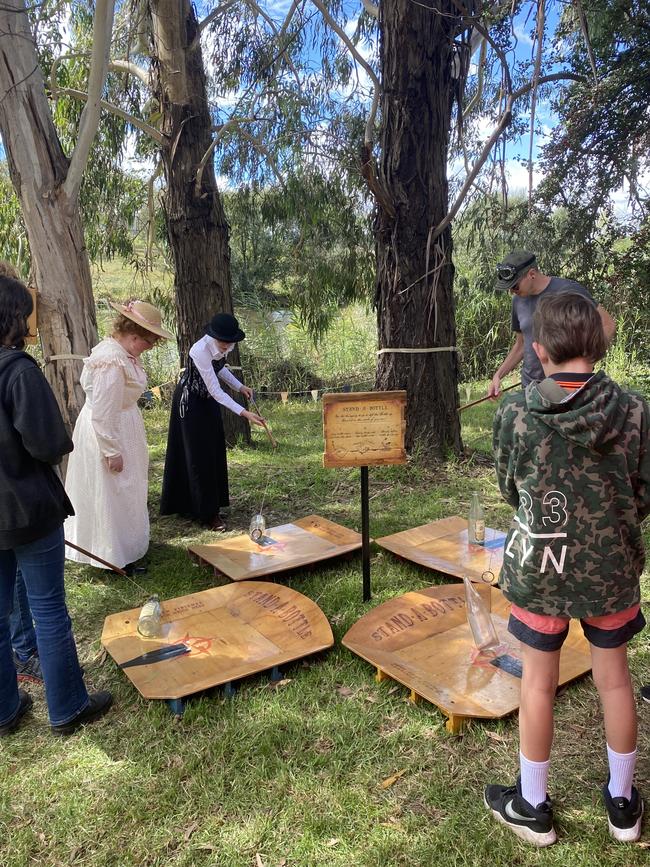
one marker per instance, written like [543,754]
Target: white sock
[534,778]
[621,773]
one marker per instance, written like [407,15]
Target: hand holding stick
[486,397]
[274,442]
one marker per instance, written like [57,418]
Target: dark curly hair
[16,306]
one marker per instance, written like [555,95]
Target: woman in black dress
[195,482]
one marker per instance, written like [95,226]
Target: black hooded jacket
[33,502]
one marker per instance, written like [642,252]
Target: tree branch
[142,125]
[132,69]
[102,30]
[370,8]
[585,33]
[503,122]
[541,14]
[343,36]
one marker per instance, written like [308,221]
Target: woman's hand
[115,464]
[246,391]
[253,419]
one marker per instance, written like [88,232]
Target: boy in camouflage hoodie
[573,458]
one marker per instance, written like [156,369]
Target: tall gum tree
[47,184]
[196,222]
[414,290]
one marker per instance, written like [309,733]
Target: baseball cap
[513,267]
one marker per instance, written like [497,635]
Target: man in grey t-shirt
[519,275]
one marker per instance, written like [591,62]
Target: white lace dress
[111,517]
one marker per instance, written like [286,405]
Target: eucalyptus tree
[430,101]
[47,183]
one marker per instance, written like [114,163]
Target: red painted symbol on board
[198,644]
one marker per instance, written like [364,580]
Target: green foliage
[278,355]
[603,137]
[306,245]
[14,246]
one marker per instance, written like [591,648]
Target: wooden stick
[274,442]
[112,567]
[487,397]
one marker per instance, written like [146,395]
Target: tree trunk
[414,310]
[196,222]
[38,168]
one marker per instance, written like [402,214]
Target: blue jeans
[41,563]
[21,624]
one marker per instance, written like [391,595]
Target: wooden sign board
[364,429]
[444,546]
[422,639]
[32,322]
[288,546]
[233,631]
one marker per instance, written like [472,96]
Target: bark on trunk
[196,222]
[414,311]
[38,167]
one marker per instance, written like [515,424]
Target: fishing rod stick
[487,397]
[274,442]
[111,566]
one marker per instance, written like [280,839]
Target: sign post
[363,429]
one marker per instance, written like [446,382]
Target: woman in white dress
[108,470]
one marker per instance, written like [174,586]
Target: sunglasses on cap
[507,272]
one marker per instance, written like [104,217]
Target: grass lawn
[291,774]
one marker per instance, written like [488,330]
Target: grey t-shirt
[522,320]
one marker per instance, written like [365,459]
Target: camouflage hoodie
[576,467]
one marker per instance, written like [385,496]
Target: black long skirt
[195,482]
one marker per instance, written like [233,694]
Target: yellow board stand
[288,546]
[444,546]
[232,632]
[423,640]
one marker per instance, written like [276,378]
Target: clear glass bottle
[476,522]
[479,618]
[257,527]
[149,621]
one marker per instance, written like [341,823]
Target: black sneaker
[98,705]
[532,824]
[645,693]
[623,816]
[29,670]
[25,702]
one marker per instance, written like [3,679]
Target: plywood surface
[423,640]
[233,631]
[444,546]
[288,546]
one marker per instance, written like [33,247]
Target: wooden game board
[443,545]
[233,631]
[423,640]
[287,546]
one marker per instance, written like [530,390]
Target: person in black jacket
[33,506]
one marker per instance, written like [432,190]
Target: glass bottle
[257,527]
[479,618]
[149,621]
[476,522]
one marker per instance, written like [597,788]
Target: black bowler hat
[224,327]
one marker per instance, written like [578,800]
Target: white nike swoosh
[511,813]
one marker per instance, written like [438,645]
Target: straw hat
[143,314]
